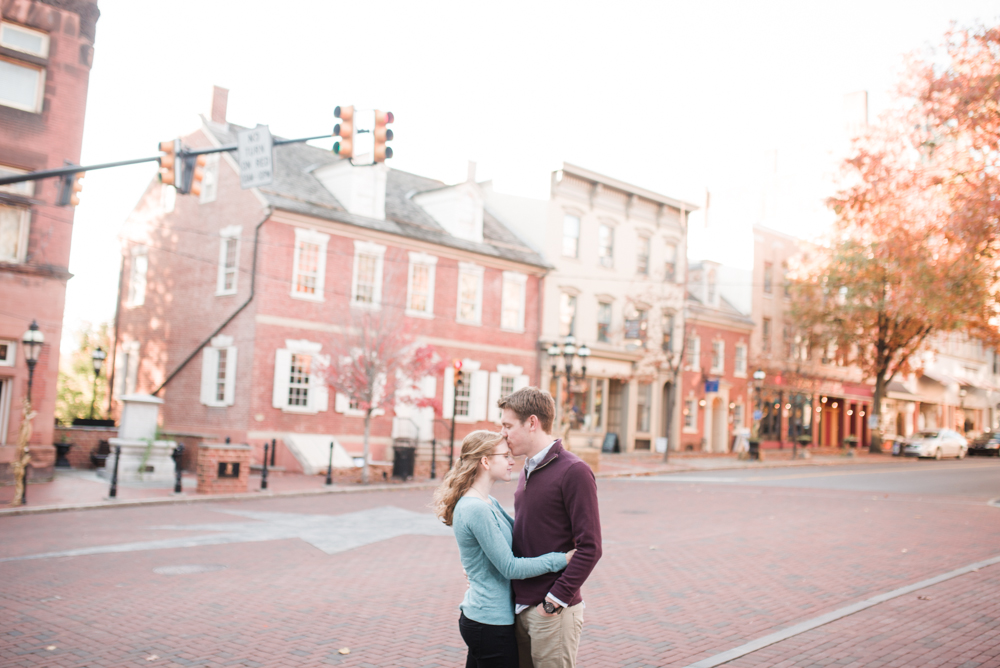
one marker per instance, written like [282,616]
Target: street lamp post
[98,357]
[758,384]
[569,351]
[32,342]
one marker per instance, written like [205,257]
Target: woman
[483,531]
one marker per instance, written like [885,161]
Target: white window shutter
[480,394]
[341,403]
[209,365]
[521,381]
[448,402]
[319,396]
[230,392]
[492,410]
[282,371]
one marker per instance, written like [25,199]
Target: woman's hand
[569,555]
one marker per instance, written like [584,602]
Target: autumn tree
[77,390]
[376,363]
[897,269]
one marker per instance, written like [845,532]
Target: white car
[936,443]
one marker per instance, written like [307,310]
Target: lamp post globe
[32,342]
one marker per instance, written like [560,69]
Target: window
[567,314]
[137,276]
[469,401]
[768,278]
[576,404]
[738,416]
[603,322]
[598,402]
[668,333]
[22,86]
[740,360]
[718,356]
[711,287]
[366,290]
[309,264]
[506,386]
[503,382]
[606,245]
[769,405]
[24,188]
[14,233]
[787,342]
[210,181]
[7,350]
[470,293]
[571,236]
[218,372]
[512,301]
[670,264]
[642,260]
[229,258]
[298,387]
[765,333]
[787,285]
[693,352]
[420,285]
[24,40]
[690,415]
[800,418]
[644,401]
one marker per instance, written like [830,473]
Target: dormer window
[458,209]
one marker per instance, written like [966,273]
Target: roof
[725,309]
[296,189]
[590,175]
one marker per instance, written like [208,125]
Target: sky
[743,100]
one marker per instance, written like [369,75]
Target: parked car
[987,444]
[936,443]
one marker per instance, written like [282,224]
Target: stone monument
[143,458]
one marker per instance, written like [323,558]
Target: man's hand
[541,608]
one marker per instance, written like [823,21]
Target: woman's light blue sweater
[483,532]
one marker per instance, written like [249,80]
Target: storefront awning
[896,390]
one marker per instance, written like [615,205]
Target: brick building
[232,300]
[46,50]
[714,399]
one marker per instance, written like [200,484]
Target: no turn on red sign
[255,153]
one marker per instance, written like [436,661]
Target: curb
[254,496]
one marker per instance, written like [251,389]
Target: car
[936,443]
[988,444]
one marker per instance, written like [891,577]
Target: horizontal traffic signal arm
[73,169]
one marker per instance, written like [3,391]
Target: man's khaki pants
[549,641]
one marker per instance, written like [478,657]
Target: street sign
[757,415]
[712,385]
[872,421]
[255,153]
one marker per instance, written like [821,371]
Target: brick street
[691,569]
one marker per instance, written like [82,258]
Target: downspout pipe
[215,332]
[110,375]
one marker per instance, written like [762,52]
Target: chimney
[220,98]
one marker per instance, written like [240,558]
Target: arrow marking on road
[329,533]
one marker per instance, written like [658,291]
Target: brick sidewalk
[689,571]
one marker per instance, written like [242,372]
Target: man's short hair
[530,401]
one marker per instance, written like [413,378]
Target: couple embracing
[523,606]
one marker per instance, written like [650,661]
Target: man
[555,510]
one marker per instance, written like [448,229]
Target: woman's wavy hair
[459,479]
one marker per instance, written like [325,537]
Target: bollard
[274,449]
[227,440]
[113,492]
[433,457]
[178,453]
[329,470]
[263,471]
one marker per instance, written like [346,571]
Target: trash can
[402,461]
[754,451]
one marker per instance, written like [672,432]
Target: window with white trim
[309,264]
[7,353]
[420,285]
[218,372]
[691,415]
[718,356]
[642,258]
[24,188]
[299,385]
[137,275]
[740,360]
[25,40]
[470,397]
[14,221]
[606,245]
[470,294]
[22,85]
[366,284]
[512,301]
[738,416]
[567,314]
[229,258]
[693,352]
[670,263]
[571,236]
[503,382]
[604,322]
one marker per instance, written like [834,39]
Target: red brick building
[231,301]
[46,50]
[714,398]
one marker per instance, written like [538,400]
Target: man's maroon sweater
[555,510]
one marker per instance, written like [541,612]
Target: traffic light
[457,365]
[382,135]
[345,130]
[197,174]
[168,161]
[70,188]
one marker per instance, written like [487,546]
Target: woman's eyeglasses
[507,454]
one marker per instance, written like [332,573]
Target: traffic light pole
[76,169]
